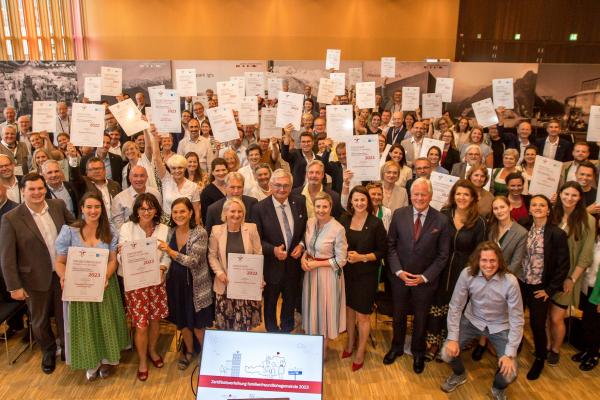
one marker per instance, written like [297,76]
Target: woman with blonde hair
[479,176]
[394,195]
[509,162]
[232,160]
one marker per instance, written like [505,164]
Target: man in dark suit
[113,163]
[298,158]
[95,181]
[281,222]
[553,146]
[234,187]
[57,188]
[419,245]
[397,132]
[27,258]
[315,172]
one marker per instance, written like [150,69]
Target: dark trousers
[418,300]
[590,323]
[538,313]
[288,289]
[42,305]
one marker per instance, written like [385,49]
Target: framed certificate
[245,274]
[141,267]
[85,274]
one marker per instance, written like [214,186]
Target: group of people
[465,272]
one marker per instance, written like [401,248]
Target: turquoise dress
[96,332]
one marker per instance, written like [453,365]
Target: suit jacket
[24,257]
[217,250]
[514,246]
[213,214]
[389,136]
[297,163]
[21,156]
[337,210]
[116,165]
[82,184]
[409,152]
[459,170]
[73,193]
[567,165]
[452,157]
[271,234]
[4,295]
[563,152]
[427,256]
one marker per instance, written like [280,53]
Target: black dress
[362,278]
[209,195]
[464,242]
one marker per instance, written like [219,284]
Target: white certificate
[92,88]
[222,123]
[354,76]
[248,113]
[85,275]
[340,126]
[289,110]
[384,155]
[241,82]
[388,67]
[333,59]
[141,264]
[339,82]
[255,84]
[268,129]
[485,114]
[410,98]
[87,124]
[362,153]
[593,132]
[365,95]
[441,185]
[166,111]
[44,116]
[326,91]
[128,116]
[185,81]
[229,95]
[545,177]
[431,105]
[503,93]
[152,91]
[112,81]
[444,86]
[245,275]
[274,86]
[429,143]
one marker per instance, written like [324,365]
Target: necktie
[286,227]
[417,229]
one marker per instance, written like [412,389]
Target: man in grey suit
[412,146]
[419,246]
[27,256]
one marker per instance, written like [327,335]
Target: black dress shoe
[391,356]
[418,364]
[48,362]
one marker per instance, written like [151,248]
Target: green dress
[96,332]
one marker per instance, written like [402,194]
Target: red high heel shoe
[356,367]
[158,363]
[345,354]
[142,375]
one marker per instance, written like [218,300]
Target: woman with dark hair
[309,108]
[146,306]
[542,273]
[409,120]
[206,132]
[194,172]
[397,153]
[215,190]
[519,202]
[379,210]
[461,131]
[434,155]
[572,217]
[479,176]
[374,122]
[189,293]
[366,237]
[468,229]
[96,332]
[527,165]
[450,154]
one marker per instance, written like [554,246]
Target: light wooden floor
[25,380]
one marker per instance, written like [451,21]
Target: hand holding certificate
[141,267]
[87,124]
[339,82]
[339,123]
[362,153]
[166,112]
[545,177]
[432,105]
[248,114]
[267,123]
[229,94]
[245,275]
[129,117]
[503,93]
[223,124]
[365,95]
[85,275]
[485,114]
[44,116]
[326,91]
[289,110]
[255,84]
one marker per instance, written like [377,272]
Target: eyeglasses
[96,169]
[146,210]
[280,186]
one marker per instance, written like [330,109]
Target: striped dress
[323,294]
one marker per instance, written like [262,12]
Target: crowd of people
[465,272]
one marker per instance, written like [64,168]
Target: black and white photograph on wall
[566,92]
[408,73]
[137,75]
[473,82]
[209,72]
[23,82]
[299,73]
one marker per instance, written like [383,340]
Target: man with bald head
[397,131]
[523,132]
[122,204]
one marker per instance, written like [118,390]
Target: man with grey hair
[315,172]
[57,188]
[63,121]
[234,187]
[281,222]
[418,250]
[10,146]
[423,168]
[10,116]
[24,129]
[8,178]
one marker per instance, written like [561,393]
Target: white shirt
[62,125]
[256,192]
[148,166]
[201,147]
[171,192]
[248,175]
[522,147]
[550,148]
[105,196]
[116,150]
[288,213]
[45,224]
[13,193]
[122,204]
[572,170]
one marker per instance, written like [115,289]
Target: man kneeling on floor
[494,310]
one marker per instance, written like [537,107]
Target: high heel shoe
[142,375]
[356,367]
[346,354]
[158,363]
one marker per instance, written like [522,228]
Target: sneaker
[553,358]
[536,369]
[453,381]
[498,394]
